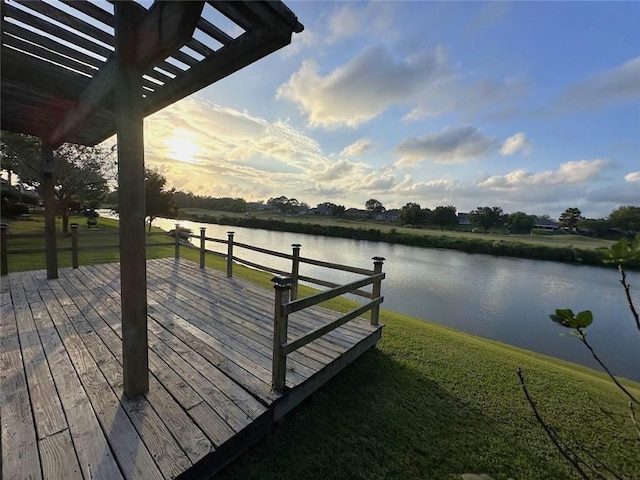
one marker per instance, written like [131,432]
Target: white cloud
[619,84]
[450,145]
[425,82]
[516,143]
[338,170]
[357,148]
[574,172]
[615,195]
[363,88]
[632,177]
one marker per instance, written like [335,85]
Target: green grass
[433,402]
[558,240]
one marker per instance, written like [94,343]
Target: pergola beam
[246,49]
[164,28]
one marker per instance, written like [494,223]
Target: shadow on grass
[380,419]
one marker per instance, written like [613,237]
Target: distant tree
[570,218]
[285,205]
[445,216]
[427,215]
[626,218]
[158,201]
[597,227]
[81,173]
[374,206]
[519,222]
[337,210]
[411,214]
[486,217]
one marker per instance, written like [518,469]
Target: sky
[530,106]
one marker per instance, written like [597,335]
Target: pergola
[79,72]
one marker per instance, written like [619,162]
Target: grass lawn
[433,402]
[559,240]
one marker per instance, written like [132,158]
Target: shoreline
[504,248]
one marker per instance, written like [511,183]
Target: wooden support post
[280,321]
[74,245]
[377,287]
[48,199]
[230,254]
[176,236]
[295,268]
[202,249]
[133,268]
[4,267]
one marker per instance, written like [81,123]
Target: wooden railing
[285,284]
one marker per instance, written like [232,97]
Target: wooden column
[280,327]
[377,285]
[230,254]
[176,241]
[202,246]
[133,274]
[4,267]
[295,269]
[48,199]
[74,245]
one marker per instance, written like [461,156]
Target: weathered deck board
[210,337]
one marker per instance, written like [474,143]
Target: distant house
[545,224]
[388,216]
[464,219]
[356,213]
[322,209]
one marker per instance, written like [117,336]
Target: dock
[210,347]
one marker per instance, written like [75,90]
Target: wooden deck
[64,416]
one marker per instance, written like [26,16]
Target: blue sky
[530,106]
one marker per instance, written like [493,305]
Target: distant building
[322,209]
[545,224]
[388,216]
[464,219]
[356,213]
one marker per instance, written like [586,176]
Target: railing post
[74,245]
[202,230]
[377,286]
[295,267]
[230,254]
[176,234]
[4,267]
[280,320]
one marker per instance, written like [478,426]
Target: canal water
[504,299]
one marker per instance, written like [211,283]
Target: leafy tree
[285,205]
[486,217]
[17,149]
[80,172]
[411,214]
[374,206]
[445,216]
[598,227]
[157,200]
[427,215]
[519,222]
[626,218]
[337,210]
[570,218]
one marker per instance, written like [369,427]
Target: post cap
[296,245]
[231,233]
[378,259]
[4,225]
[281,282]
[203,229]
[74,225]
